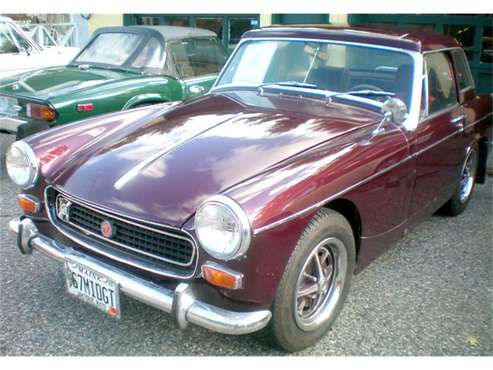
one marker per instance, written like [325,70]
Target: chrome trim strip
[477,121]
[439,112]
[200,78]
[183,309]
[465,89]
[442,49]
[364,181]
[328,199]
[85,231]
[438,142]
[120,256]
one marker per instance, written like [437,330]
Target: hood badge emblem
[107,229]
[63,209]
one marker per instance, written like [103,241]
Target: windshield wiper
[116,68]
[87,66]
[304,85]
[364,93]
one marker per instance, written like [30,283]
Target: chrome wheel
[320,283]
[468,175]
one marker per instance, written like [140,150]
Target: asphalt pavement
[431,294]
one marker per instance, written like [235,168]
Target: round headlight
[22,165]
[222,227]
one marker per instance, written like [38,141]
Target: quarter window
[441,84]
[462,71]
[151,58]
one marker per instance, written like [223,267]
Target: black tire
[284,328]
[457,203]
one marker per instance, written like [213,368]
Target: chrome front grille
[159,246]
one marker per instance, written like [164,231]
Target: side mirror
[395,110]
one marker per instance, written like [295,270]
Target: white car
[19,53]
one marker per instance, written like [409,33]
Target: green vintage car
[120,68]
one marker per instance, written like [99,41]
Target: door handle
[196,89]
[458,119]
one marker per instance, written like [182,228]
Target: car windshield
[369,72]
[112,49]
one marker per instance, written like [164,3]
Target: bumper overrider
[21,127]
[180,303]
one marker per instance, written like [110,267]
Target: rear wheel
[458,203]
[315,282]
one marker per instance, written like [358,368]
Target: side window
[179,51]
[462,71]
[209,56]
[442,92]
[197,57]
[151,57]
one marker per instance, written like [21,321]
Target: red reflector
[84,107]
[112,311]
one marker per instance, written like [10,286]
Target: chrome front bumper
[10,124]
[180,303]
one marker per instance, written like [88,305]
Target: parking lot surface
[431,294]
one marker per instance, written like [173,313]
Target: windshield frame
[413,117]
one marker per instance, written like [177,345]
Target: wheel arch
[350,212]
[144,99]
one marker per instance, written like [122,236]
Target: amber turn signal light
[222,277]
[39,111]
[28,203]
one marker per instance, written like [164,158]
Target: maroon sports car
[251,207]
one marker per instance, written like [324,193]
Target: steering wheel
[366,87]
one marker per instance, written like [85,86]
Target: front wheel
[315,282]
[458,203]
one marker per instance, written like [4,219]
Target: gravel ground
[429,295]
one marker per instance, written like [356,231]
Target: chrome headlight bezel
[31,161]
[239,215]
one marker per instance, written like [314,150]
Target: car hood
[161,168]
[54,82]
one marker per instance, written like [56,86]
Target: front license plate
[92,287]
